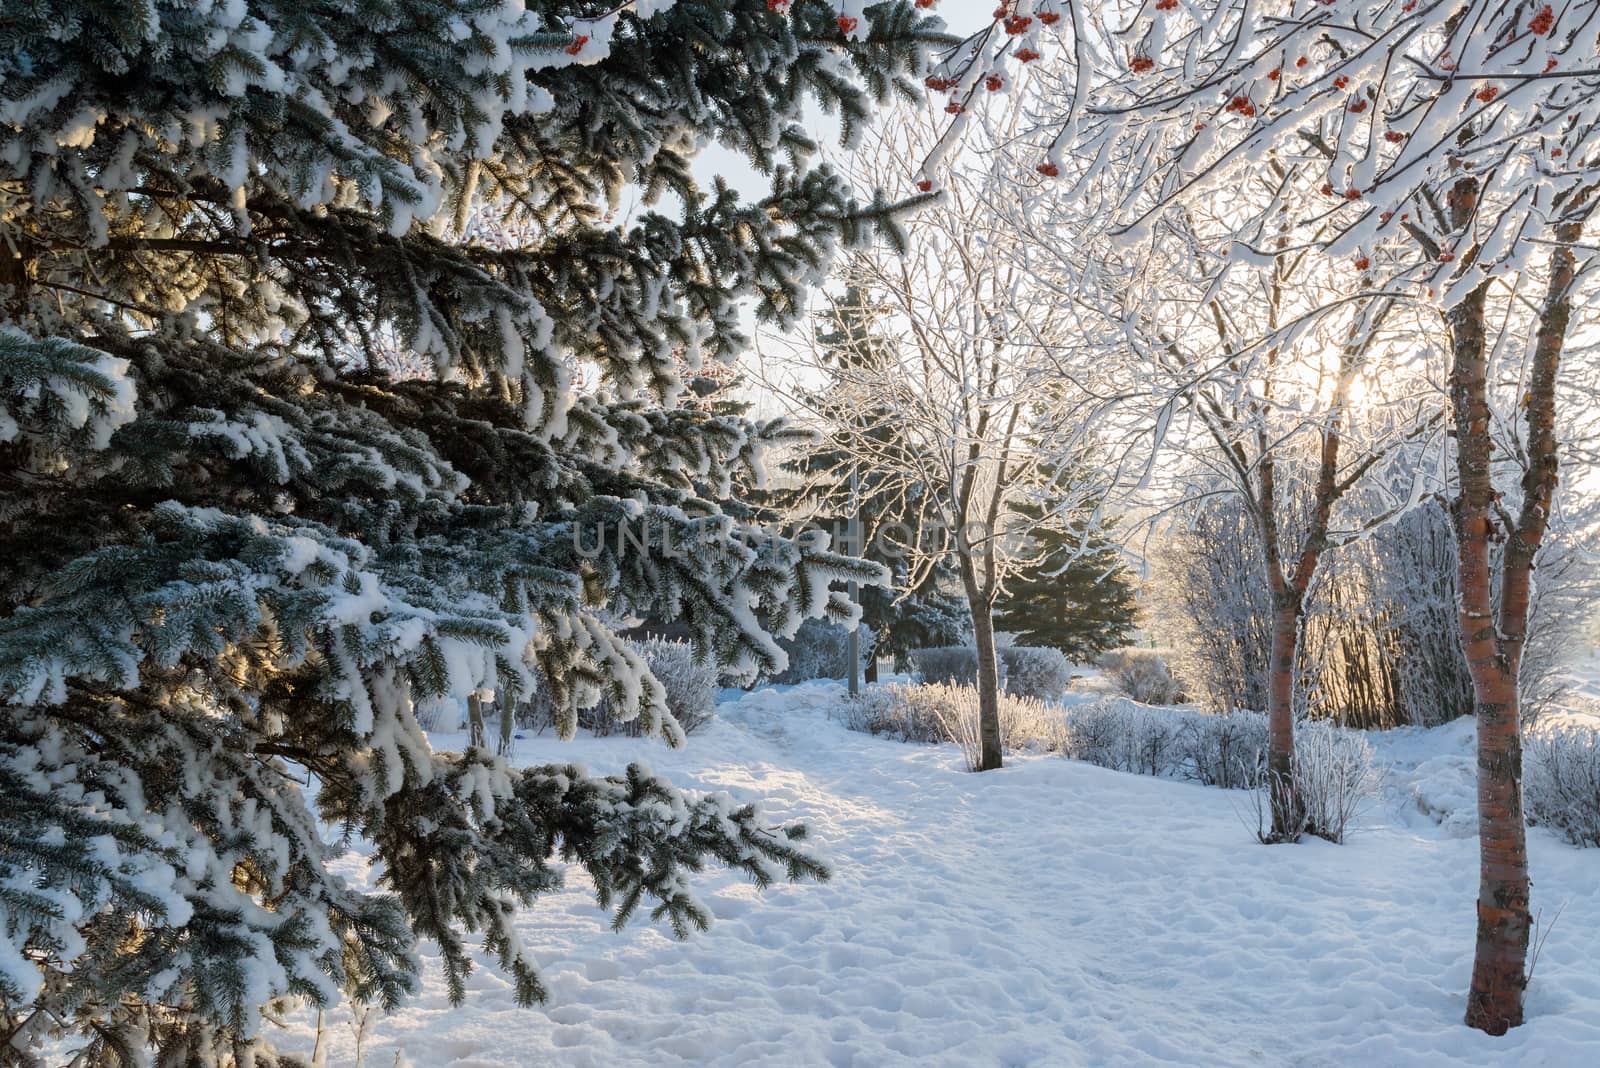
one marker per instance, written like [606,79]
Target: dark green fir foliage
[1074,591]
[238,550]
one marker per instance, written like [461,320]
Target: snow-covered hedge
[1561,782]
[820,650]
[1224,750]
[1026,671]
[940,712]
[1335,769]
[1035,671]
[1143,675]
[1124,735]
[945,665]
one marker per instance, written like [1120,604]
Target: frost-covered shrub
[1143,675]
[1025,723]
[946,664]
[1124,735]
[1223,750]
[1561,782]
[1209,603]
[821,650]
[894,711]
[1037,672]
[938,712]
[1024,670]
[1379,647]
[690,684]
[1334,775]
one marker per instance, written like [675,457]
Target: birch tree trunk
[1494,1002]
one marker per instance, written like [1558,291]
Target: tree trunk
[1494,1002]
[14,282]
[1287,822]
[474,721]
[988,688]
[507,726]
[869,674]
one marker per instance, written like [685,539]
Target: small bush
[1334,776]
[1561,782]
[1120,734]
[1224,750]
[946,665]
[691,688]
[1035,672]
[894,711]
[935,712]
[1143,675]
[821,650]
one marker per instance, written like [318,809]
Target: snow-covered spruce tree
[917,608]
[236,553]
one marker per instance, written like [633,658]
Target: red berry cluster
[1394,137]
[955,107]
[938,84]
[1027,55]
[1140,63]
[926,3]
[1050,18]
[1340,82]
[847,25]
[577,44]
[925,185]
[1362,263]
[1049,170]
[1274,74]
[1543,22]
[993,83]
[1018,24]
[1242,105]
[1166,5]
[780,6]
[1487,94]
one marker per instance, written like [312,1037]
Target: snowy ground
[1053,913]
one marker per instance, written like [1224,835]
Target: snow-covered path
[1053,913]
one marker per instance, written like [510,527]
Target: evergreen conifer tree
[1075,593]
[238,552]
[917,608]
